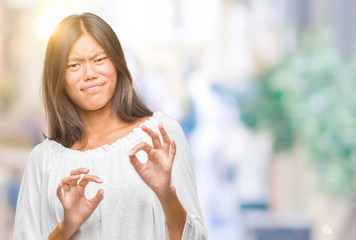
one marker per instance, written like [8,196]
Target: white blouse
[129,210]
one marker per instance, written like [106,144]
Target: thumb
[97,199]
[136,163]
[59,193]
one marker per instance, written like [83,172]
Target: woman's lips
[93,87]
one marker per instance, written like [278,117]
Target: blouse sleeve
[28,210]
[183,179]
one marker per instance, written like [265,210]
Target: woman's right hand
[77,208]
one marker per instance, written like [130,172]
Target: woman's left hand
[156,172]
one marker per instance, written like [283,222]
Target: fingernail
[85,169]
[131,153]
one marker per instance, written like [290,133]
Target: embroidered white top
[129,210]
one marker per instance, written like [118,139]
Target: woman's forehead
[85,46]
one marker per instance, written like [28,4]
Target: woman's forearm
[174,213]
[61,233]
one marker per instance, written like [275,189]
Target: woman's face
[91,76]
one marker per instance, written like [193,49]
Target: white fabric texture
[129,210]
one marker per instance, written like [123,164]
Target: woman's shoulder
[171,125]
[167,121]
[39,153]
[43,148]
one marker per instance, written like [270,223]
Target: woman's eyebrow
[77,59]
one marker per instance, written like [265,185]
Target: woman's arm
[28,209]
[60,233]
[77,208]
[183,179]
[174,213]
[157,174]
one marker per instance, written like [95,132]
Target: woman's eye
[76,65]
[100,59]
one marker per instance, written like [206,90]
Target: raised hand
[77,208]
[156,172]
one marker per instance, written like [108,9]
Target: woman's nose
[90,72]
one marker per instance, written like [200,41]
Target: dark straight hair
[64,123]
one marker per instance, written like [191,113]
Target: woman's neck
[102,127]
[100,121]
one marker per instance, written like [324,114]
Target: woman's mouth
[92,87]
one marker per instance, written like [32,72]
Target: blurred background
[264,90]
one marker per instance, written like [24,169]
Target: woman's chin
[92,107]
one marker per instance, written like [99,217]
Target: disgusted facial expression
[91,77]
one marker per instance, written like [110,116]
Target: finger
[166,140]
[59,192]
[79,171]
[136,163]
[173,151]
[97,199]
[89,178]
[156,142]
[141,146]
[69,181]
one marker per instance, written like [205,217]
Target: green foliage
[310,97]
